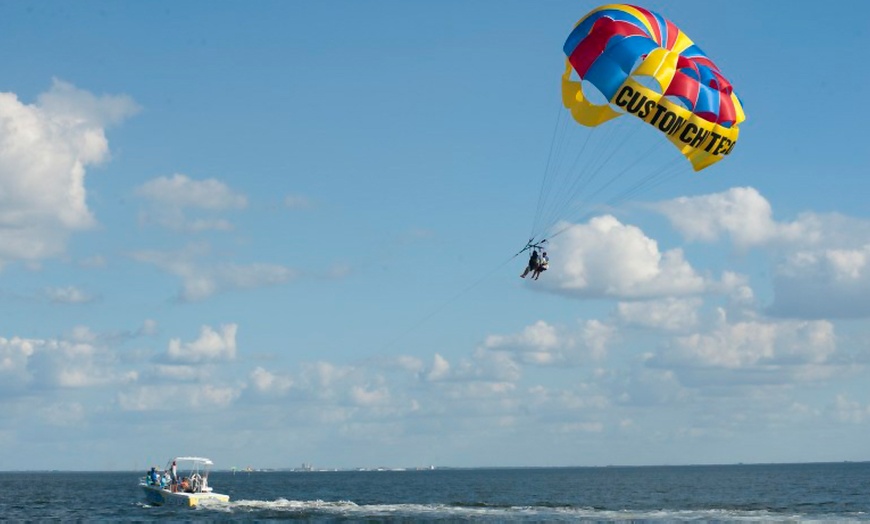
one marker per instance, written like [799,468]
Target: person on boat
[543,265]
[153,477]
[533,263]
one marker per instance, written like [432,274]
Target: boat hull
[157,496]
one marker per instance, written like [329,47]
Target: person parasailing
[533,263]
[535,259]
[543,265]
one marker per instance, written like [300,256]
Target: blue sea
[835,492]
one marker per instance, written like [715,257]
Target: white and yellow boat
[188,488]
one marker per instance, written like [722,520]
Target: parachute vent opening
[649,82]
[680,101]
[593,94]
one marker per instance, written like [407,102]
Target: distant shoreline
[416,469]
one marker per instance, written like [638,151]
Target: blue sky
[281,232]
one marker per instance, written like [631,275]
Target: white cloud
[440,368]
[68,295]
[783,346]
[149,327]
[63,414]
[606,258]
[178,373]
[740,212]
[647,386]
[745,216]
[823,283]
[483,366]
[407,363]
[297,202]
[45,149]
[181,191]
[544,345]
[173,197]
[822,267]
[177,397]
[367,396]
[537,338]
[199,283]
[269,383]
[67,102]
[669,314]
[15,355]
[498,368]
[78,361]
[325,380]
[211,346]
[848,410]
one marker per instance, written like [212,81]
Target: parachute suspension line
[610,141]
[625,170]
[662,174]
[557,179]
[656,178]
[555,176]
[572,202]
[543,190]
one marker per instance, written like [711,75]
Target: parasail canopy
[644,66]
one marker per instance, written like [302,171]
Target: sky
[281,232]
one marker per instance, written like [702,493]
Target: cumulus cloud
[753,351]
[852,411]
[200,282]
[668,314]
[45,149]
[740,212]
[174,197]
[15,356]
[439,369]
[606,258]
[77,105]
[823,283]
[544,345]
[78,361]
[68,295]
[368,396]
[820,267]
[268,383]
[177,397]
[181,191]
[62,414]
[746,217]
[177,372]
[482,367]
[211,346]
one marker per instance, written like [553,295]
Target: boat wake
[314,509]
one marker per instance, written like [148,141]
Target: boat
[184,482]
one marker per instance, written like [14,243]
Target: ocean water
[835,492]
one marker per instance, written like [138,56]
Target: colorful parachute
[618,48]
